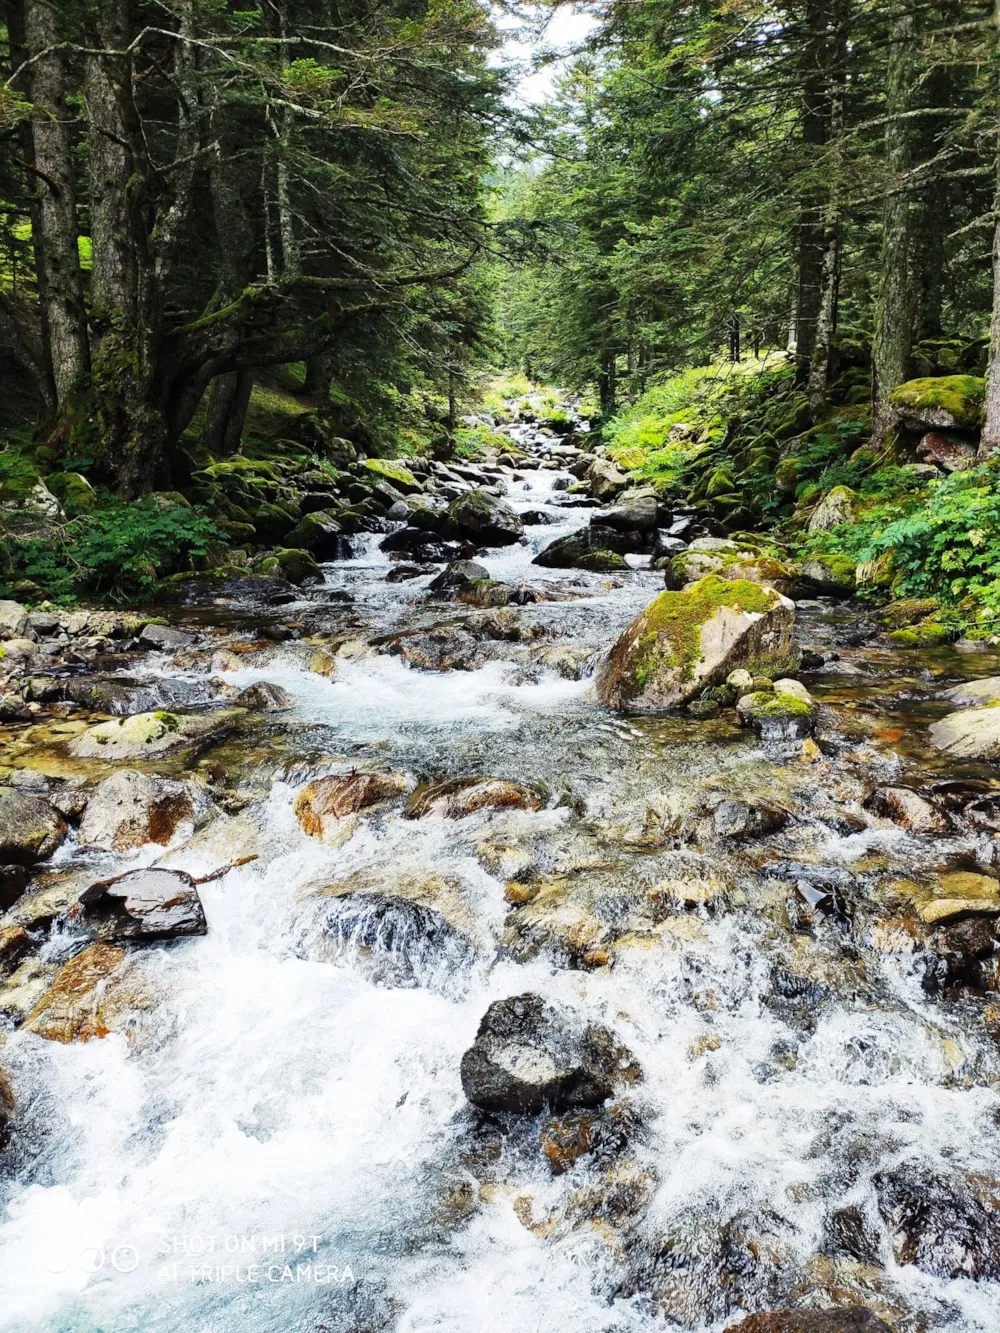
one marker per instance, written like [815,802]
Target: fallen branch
[224,870]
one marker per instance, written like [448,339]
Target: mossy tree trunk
[891,346]
[990,439]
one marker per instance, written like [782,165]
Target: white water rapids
[283,1143]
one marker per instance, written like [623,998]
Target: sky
[567,27]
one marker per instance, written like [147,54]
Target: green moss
[672,631]
[928,635]
[73,491]
[602,562]
[961,396]
[394,473]
[908,610]
[761,704]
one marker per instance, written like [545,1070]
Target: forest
[225,225]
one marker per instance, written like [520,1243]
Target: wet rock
[14,622]
[565,1139]
[444,649]
[69,1008]
[13,882]
[635,515]
[8,1105]
[322,535]
[850,1319]
[298,566]
[973,693]
[30,828]
[910,811]
[973,733]
[485,519]
[130,809]
[398,941]
[581,550]
[15,944]
[226,586]
[961,955]
[147,735]
[459,574]
[123,696]
[454,798]
[685,641]
[785,712]
[165,638]
[529,1057]
[946,1227]
[263,696]
[740,819]
[151,904]
[329,809]
[959,894]
[835,575]
[605,479]
[403,573]
[909,611]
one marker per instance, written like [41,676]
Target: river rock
[785,712]
[149,904]
[7,1102]
[945,1226]
[906,808]
[959,894]
[69,1009]
[322,535]
[458,574]
[835,575]
[605,479]
[630,515]
[580,550]
[148,735]
[850,1319]
[400,942]
[15,943]
[529,1056]
[454,798]
[30,827]
[263,696]
[165,638]
[740,819]
[130,808]
[485,519]
[14,622]
[686,641]
[329,808]
[973,693]
[973,733]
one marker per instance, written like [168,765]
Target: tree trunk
[826,319]
[815,132]
[891,346]
[607,387]
[991,428]
[227,412]
[56,241]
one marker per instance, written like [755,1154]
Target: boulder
[835,508]
[785,712]
[263,696]
[150,904]
[322,534]
[69,1009]
[14,622]
[485,593]
[130,809]
[972,693]
[458,574]
[393,472]
[605,479]
[952,453]
[485,519]
[835,575]
[330,808]
[973,733]
[948,402]
[910,811]
[959,894]
[455,798]
[298,566]
[15,944]
[165,638]
[926,634]
[637,515]
[945,1225]
[580,550]
[529,1057]
[849,1319]
[686,641]
[148,735]
[399,942]
[30,828]
[740,819]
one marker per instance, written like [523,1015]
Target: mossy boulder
[272,522]
[602,562]
[833,574]
[394,473]
[836,507]
[30,828]
[73,491]
[787,475]
[486,519]
[928,634]
[734,564]
[485,592]
[785,712]
[948,402]
[322,534]
[149,735]
[297,566]
[686,641]
[908,611]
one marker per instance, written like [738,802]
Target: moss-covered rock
[908,611]
[485,519]
[836,507]
[485,592]
[833,574]
[928,634]
[73,491]
[148,735]
[949,402]
[787,475]
[785,712]
[394,473]
[322,534]
[297,566]
[602,562]
[686,641]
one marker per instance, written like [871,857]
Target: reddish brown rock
[457,797]
[329,808]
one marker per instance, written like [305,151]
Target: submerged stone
[685,641]
[329,808]
[454,798]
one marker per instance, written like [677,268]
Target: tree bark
[891,346]
[52,149]
[815,133]
[990,439]
[606,384]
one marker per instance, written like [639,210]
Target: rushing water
[283,1143]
